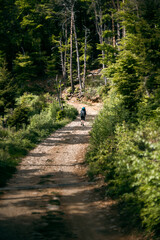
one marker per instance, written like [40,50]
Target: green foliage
[125,75]
[60,115]
[70,112]
[19,117]
[128,156]
[110,53]
[137,161]
[90,93]
[112,113]
[7,166]
[103,90]
[52,66]
[41,123]
[30,105]
[23,69]
[34,102]
[69,90]
[53,109]
[7,90]
[3,133]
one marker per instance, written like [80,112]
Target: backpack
[82,113]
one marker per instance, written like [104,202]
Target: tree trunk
[117,7]
[58,93]
[71,49]
[124,29]
[113,30]
[65,52]
[77,52]
[145,86]
[99,28]
[101,36]
[114,5]
[62,60]
[65,55]
[85,57]
[118,25]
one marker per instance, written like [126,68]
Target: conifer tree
[7,88]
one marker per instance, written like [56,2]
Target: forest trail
[50,196]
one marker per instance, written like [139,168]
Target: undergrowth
[127,152]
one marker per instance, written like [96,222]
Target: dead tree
[85,57]
[59,92]
[113,30]
[124,29]
[71,49]
[62,59]
[99,29]
[77,53]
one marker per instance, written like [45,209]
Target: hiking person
[83,115]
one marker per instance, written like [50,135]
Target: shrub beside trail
[127,152]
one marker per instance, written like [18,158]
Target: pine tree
[7,88]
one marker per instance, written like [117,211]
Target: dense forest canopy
[40,39]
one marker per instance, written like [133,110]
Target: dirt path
[50,197]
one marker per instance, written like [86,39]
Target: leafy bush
[40,121]
[137,163]
[34,102]
[7,164]
[90,93]
[3,133]
[103,90]
[125,74]
[24,70]
[60,115]
[19,117]
[70,112]
[53,109]
[7,87]
[112,113]
[69,90]
[128,155]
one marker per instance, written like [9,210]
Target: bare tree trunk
[77,52]
[124,29]
[113,30]
[114,5]
[58,93]
[101,36]
[118,4]
[62,59]
[65,52]
[99,28]
[137,10]
[23,51]
[145,86]
[71,49]
[118,25]
[65,55]
[85,57]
